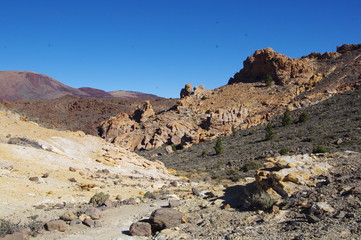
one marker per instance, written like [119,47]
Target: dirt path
[116,223]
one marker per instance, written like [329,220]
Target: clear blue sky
[157,46]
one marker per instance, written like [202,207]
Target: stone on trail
[141,229]
[165,218]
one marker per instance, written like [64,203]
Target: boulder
[165,218]
[88,223]
[56,225]
[186,91]
[140,229]
[93,213]
[15,236]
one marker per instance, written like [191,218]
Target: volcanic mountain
[29,85]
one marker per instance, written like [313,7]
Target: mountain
[30,85]
[131,94]
[247,100]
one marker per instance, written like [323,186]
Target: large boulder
[165,218]
[186,91]
[56,225]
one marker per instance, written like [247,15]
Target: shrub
[320,149]
[284,151]
[304,117]
[234,130]
[174,148]
[218,147]
[286,118]
[7,227]
[251,165]
[269,80]
[260,201]
[270,134]
[204,153]
[98,198]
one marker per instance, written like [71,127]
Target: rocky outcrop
[186,91]
[143,113]
[268,62]
[286,175]
[201,114]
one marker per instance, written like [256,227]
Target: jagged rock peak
[186,91]
[280,67]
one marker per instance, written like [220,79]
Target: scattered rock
[71,169]
[169,149]
[45,175]
[15,236]
[88,223]
[165,218]
[34,179]
[93,213]
[141,229]
[174,203]
[68,216]
[196,192]
[75,222]
[56,225]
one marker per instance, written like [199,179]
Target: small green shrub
[204,153]
[234,130]
[251,165]
[204,98]
[7,227]
[320,149]
[269,80]
[98,198]
[358,118]
[270,134]
[218,147]
[174,148]
[304,117]
[260,201]
[286,118]
[233,175]
[284,151]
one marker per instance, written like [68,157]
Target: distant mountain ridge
[30,85]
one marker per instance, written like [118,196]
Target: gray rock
[140,229]
[312,218]
[56,225]
[88,223]
[196,191]
[75,222]
[98,224]
[34,179]
[174,203]
[94,213]
[165,218]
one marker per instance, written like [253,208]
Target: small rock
[169,149]
[174,203]
[340,214]
[68,216]
[16,236]
[34,179]
[93,213]
[118,197]
[227,206]
[141,229]
[56,225]
[98,224]
[83,217]
[312,218]
[81,173]
[71,169]
[41,206]
[106,171]
[75,222]
[108,204]
[165,218]
[196,191]
[88,223]
[325,207]
[45,175]
[72,179]
[174,183]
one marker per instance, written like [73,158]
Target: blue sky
[157,46]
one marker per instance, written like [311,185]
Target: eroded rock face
[186,91]
[288,174]
[268,62]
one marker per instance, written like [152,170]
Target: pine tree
[218,147]
[286,119]
[270,134]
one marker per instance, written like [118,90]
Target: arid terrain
[273,154]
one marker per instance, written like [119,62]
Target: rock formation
[206,114]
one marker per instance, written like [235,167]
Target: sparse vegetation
[270,134]
[286,118]
[269,81]
[7,227]
[320,149]
[218,147]
[260,201]
[98,198]
[304,116]
[251,165]
[233,129]
[284,151]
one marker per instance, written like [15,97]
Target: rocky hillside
[79,113]
[43,166]
[29,85]
[268,84]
